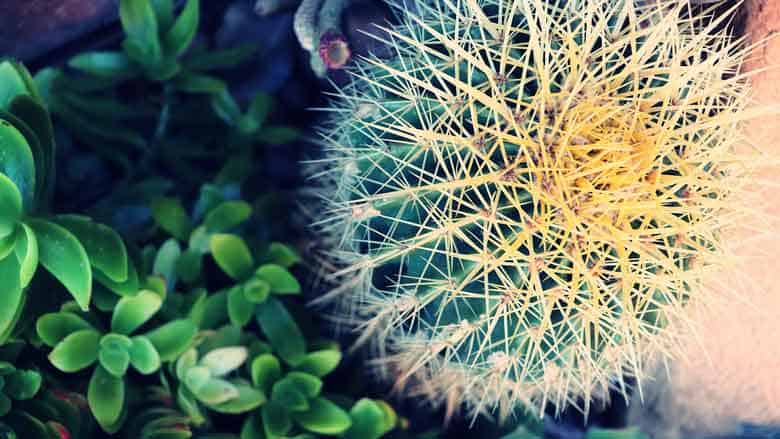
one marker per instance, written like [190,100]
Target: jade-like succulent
[520,199]
[79,344]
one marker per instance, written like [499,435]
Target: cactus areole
[527,192]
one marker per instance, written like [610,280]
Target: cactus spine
[521,199]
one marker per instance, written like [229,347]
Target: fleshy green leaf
[320,363]
[215,391]
[280,280]
[222,361]
[256,291]
[197,83]
[287,394]
[104,64]
[163,9]
[10,293]
[227,215]
[189,265]
[52,328]
[247,399]
[33,116]
[76,351]
[281,330]
[173,338]
[232,255]
[106,396]
[133,311]
[143,355]
[324,417]
[369,420]
[180,36]
[10,206]
[306,383]
[17,164]
[114,358]
[12,83]
[240,309]
[225,107]
[170,215]
[65,258]
[276,420]
[140,25]
[166,261]
[104,247]
[259,109]
[26,249]
[283,255]
[265,371]
[127,288]
[22,384]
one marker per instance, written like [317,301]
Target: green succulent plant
[72,248]
[155,105]
[520,200]
[78,344]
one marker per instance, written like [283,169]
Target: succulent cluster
[522,197]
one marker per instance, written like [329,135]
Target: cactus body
[522,198]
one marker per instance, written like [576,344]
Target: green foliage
[156,106]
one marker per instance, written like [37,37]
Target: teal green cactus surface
[523,196]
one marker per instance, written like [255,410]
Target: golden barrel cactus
[521,198]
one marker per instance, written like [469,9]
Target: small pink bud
[334,50]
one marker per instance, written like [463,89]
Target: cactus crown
[528,191]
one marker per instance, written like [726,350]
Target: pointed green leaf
[282,254]
[369,421]
[17,164]
[128,287]
[143,355]
[65,258]
[173,338]
[323,417]
[133,311]
[225,107]
[10,294]
[259,109]
[163,9]
[76,351]
[309,385]
[222,361]
[22,384]
[104,247]
[12,83]
[26,250]
[240,309]
[232,255]
[215,391]
[197,83]
[256,291]
[114,358]
[265,371]
[106,396]
[40,136]
[140,25]
[320,363]
[166,261]
[52,328]
[227,215]
[276,420]
[7,245]
[287,394]
[180,36]
[170,215]
[247,399]
[281,330]
[104,64]
[10,206]
[280,280]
